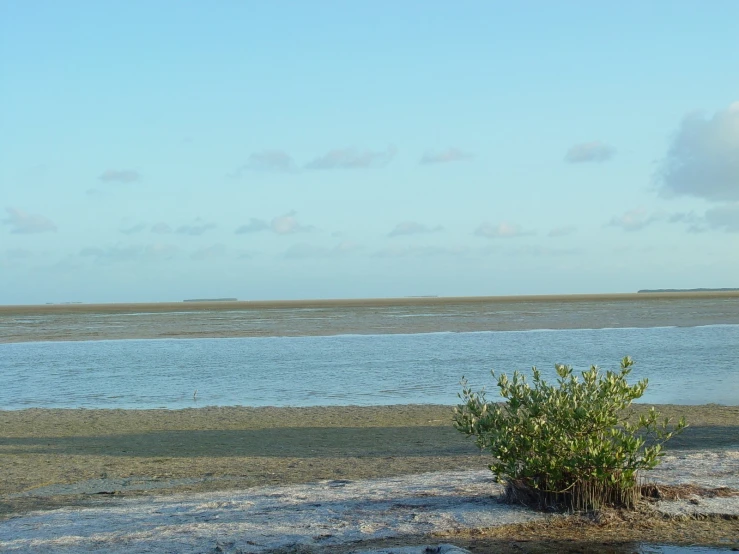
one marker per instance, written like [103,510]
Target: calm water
[685,365]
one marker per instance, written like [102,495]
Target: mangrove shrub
[572,445]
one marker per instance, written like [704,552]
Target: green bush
[569,446]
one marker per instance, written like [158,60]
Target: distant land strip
[211,300]
[160,307]
[687,290]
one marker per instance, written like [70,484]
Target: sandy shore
[89,458]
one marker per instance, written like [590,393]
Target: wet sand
[94,458]
[53,458]
[368,316]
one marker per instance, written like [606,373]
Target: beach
[56,462]
[87,458]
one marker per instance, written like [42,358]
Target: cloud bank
[703,158]
[721,218]
[724,218]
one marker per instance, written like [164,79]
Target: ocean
[688,349]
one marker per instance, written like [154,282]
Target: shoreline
[184,306]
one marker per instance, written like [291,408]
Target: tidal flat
[257,446]
[77,322]
[87,458]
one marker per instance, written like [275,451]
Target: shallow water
[684,365]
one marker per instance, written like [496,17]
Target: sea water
[684,365]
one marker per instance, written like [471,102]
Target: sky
[158,151]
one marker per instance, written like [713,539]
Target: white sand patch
[701,506]
[705,468]
[327,513]
[425,549]
[265,518]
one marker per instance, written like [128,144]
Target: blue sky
[155,151]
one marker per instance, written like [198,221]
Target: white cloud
[562,231]
[350,158]
[445,156]
[209,252]
[288,224]
[196,229]
[23,223]
[721,218]
[501,230]
[271,160]
[254,226]
[160,251]
[120,176]
[633,220]
[703,159]
[585,152]
[725,218]
[133,229]
[161,228]
[412,228]
[267,160]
